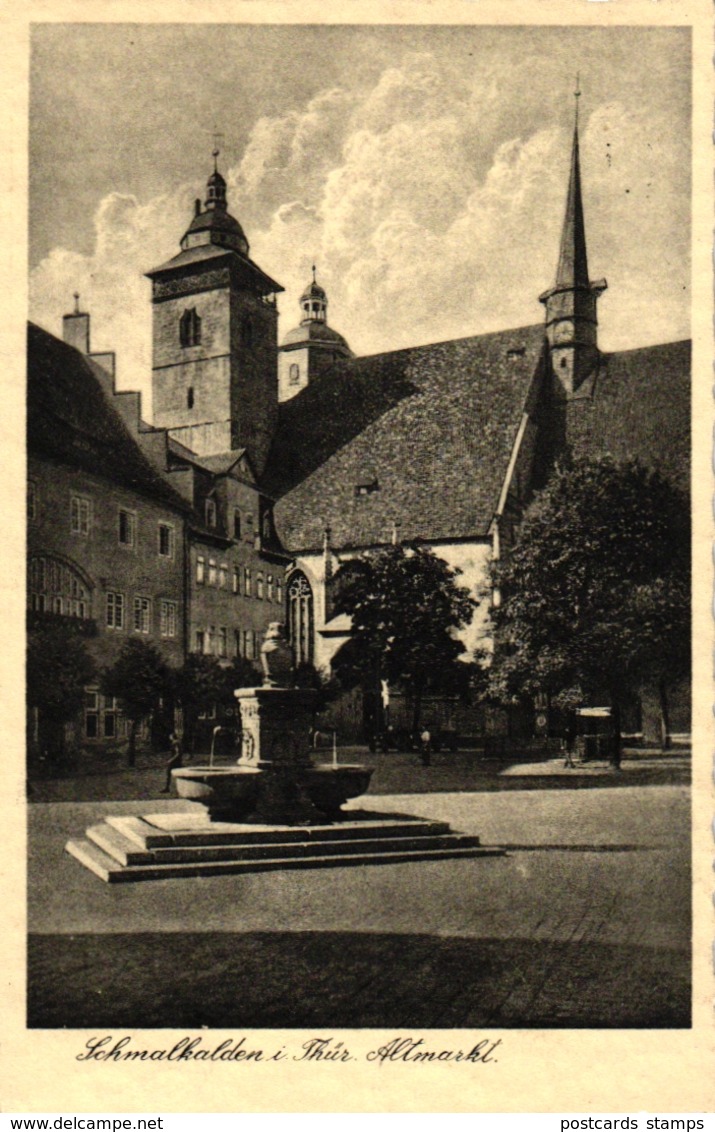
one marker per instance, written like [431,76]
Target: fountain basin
[228,792]
[232,793]
[330,786]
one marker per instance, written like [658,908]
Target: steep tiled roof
[223,461]
[418,437]
[640,409]
[69,418]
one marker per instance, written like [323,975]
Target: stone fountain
[274,809]
[275,779]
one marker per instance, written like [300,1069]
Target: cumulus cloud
[426,218]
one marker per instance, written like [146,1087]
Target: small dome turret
[314,302]
[214,224]
[215,191]
[310,348]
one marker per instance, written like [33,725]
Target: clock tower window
[190,328]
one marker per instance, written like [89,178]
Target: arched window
[247,331]
[190,397]
[237,524]
[294,373]
[300,619]
[54,586]
[210,511]
[190,328]
[259,586]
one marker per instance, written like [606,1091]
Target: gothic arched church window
[190,328]
[300,619]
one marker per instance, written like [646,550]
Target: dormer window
[190,328]
[367,487]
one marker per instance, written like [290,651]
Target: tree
[203,684]
[594,596]
[58,670]
[138,679]
[406,607]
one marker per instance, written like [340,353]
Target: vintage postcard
[357,434]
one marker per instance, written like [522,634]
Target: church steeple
[571,323]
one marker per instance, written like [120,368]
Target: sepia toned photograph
[358,671]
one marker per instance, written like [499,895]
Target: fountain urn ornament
[276,658]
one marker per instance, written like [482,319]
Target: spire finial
[218,140]
[577,95]
[76,302]
[313,270]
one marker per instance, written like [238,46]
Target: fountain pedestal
[276,724]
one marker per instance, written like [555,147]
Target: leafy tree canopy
[406,606]
[594,597]
[58,670]
[138,678]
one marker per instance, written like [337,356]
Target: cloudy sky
[423,169]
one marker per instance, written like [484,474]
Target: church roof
[419,437]
[422,438]
[70,419]
[639,409]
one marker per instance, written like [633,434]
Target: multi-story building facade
[105,532]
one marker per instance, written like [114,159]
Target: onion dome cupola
[212,223]
[310,348]
[314,302]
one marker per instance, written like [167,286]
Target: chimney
[197,207]
[75,328]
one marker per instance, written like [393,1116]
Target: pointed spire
[573,262]
[571,321]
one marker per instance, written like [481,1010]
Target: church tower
[571,323]
[311,348]
[215,328]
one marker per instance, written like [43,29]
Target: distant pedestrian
[570,744]
[175,759]
[426,747]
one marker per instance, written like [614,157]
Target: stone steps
[155,831]
[126,849]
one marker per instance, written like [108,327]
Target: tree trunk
[416,709]
[617,742]
[665,740]
[132,748]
